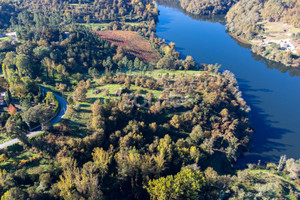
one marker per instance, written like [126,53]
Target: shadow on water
[261,143]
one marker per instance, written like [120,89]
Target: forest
[207,7]
[135,128]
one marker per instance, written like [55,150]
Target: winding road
[63,109]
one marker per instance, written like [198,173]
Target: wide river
[272,91]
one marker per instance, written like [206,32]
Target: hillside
[207,7]
[132,43]
[272,27]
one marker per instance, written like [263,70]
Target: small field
[133,43]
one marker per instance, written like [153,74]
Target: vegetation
[142,123]
[253,20]
[207,7]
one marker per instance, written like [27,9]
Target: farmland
[133,43]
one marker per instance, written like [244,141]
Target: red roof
[11,109]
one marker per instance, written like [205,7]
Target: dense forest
[167,128]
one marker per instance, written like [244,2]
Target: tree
[75,183]
[23,64]
[101,160]
[8,97]
[136,63]
[49,98]
[189,63]
[80,94]
[14,193]
[14,129]
[36,114]
[175,121]
[26,104]
[187,184]
[197,134]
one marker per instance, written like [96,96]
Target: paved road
[62,112]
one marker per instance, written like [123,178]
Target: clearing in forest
[132,42]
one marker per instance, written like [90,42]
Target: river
[271,90]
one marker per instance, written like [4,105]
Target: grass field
[132,42]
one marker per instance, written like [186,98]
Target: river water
[271,90]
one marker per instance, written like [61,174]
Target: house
[12,109]
[12,35]
[2,96]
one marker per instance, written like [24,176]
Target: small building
[12,35]
[2,96]
[12,109]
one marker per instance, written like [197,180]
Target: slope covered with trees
[207,7]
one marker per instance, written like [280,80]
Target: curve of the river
[271,90]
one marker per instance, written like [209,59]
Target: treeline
[207,7]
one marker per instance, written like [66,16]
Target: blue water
[274,97]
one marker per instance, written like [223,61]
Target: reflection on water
[210,18]
[269,63]
[275,65]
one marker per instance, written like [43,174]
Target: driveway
[63,109]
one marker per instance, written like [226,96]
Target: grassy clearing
[132,42]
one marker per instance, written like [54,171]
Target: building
[2,96]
